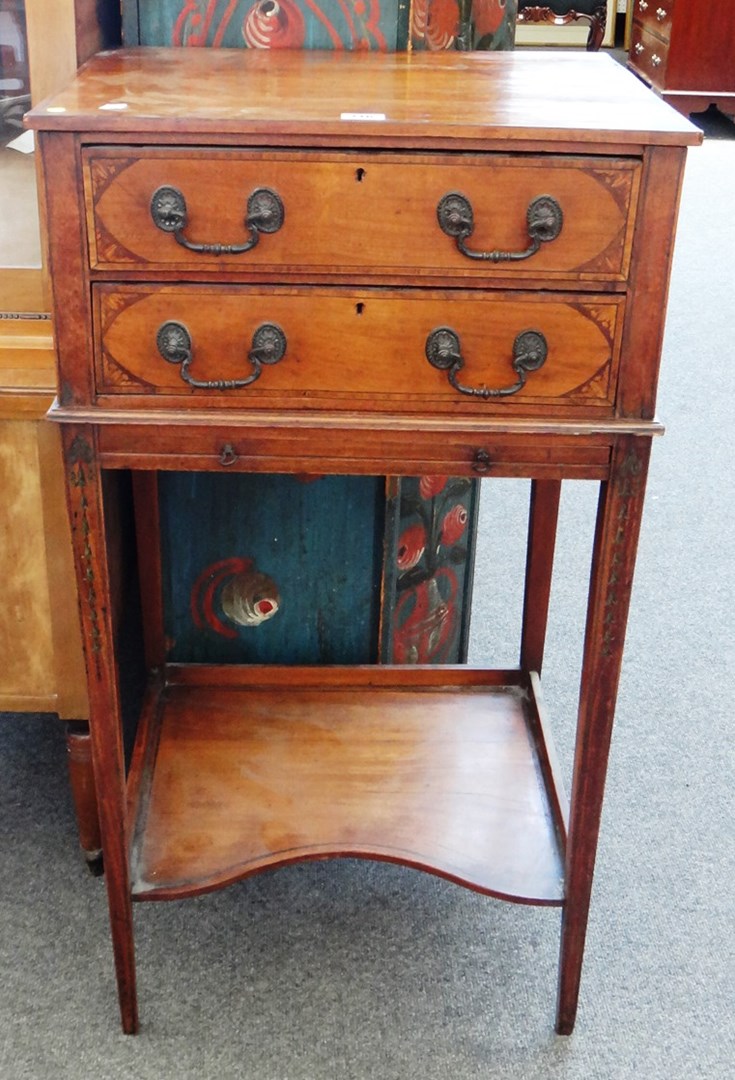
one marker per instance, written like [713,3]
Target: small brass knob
[481,462]
[228,455]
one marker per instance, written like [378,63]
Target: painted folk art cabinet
[447,265]
[382,25]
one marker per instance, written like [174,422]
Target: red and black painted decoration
[340,570]
[384,25]
[428,591]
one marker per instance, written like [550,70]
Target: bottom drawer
[649,55]
[412,350]
[287,444]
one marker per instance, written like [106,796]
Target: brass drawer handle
[265,214]
[661,14]
[643,5]
[544,220]
[639,48]
[444,351]
[175,345]
[656,61]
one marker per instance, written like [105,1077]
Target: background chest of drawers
[686,52]
[357,265]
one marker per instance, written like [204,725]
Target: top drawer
[655,16]
[370,213]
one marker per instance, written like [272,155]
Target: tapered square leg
[86,514]
[616,541]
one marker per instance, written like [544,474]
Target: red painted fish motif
[244,595]
[274,24]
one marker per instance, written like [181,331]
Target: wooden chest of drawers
[686,52]
[358,264]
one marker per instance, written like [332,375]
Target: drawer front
[366,349]
[274,447]
[655,16]
[372,213]
[649,54]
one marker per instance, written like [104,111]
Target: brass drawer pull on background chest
[175,345]
[444,351]
[265,214]
[544,219]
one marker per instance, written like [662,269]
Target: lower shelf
[443,769]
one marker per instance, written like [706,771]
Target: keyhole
[359,175]
[359,308]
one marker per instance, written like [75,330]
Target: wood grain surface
[447,780]
[367,348]
[514,97]
[373,212]
[27,673]
[405,451]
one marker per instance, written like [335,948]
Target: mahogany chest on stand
[354,265]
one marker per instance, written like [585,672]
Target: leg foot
[95,863]
[84,792]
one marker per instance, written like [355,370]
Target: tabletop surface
[523,95]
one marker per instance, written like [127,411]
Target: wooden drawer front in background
[655,16]
[370,212]
[366,348]
[650,54]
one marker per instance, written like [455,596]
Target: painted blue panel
[268,24]
[271,569]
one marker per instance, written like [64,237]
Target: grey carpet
[350,970]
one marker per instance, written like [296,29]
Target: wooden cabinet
[43,669]
[686,52]
[40,640]
[429,269]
